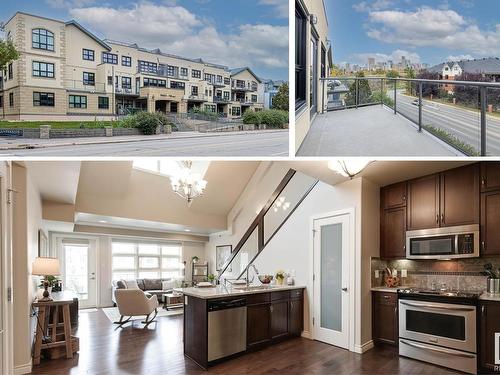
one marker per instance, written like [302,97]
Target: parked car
[416,102]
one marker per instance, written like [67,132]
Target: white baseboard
[23,369]
[363,348]
[306,335]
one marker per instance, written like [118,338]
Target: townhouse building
[65,72]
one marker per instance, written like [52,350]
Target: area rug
[114,316]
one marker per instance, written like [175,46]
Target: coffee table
[172,300]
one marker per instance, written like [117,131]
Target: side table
[172,300]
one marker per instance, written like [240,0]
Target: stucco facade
[80,76]
[314,36]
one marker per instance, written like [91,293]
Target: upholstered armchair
[134,302]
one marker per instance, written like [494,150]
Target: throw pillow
[121,284]
[131,284]
[168,285]
[152,284]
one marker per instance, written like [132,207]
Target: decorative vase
[279,281]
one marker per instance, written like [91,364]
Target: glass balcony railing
[466,115]
[80,86]
[289,194]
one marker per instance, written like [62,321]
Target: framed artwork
[43,247]
[222,255]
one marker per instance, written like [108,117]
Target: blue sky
[427,31]
[233,33]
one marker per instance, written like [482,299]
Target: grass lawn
[59,124]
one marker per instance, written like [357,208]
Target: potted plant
[280,277]
[211,278]
[52,280]
[195,259]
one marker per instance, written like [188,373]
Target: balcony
[247,88]
[220,99]
[397,117]
[196,98]
[97,87]
[160,71]
[125,91]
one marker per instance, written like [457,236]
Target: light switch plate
[377,274]
[404,273]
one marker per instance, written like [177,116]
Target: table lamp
[45,267]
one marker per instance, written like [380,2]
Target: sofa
[149,286]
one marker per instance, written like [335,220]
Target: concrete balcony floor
[370,131]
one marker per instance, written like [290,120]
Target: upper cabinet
[490,176]
[394,195]
[446,199]
[393,233]
[460,196]
[423,202]
[490,223]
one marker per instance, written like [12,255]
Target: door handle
[92,278]
[437,218]
[442,218]
[344,289]
[429,306]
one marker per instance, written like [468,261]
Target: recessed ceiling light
[187,230]
[102,221]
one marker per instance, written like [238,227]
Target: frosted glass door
[80,273]
[331,265]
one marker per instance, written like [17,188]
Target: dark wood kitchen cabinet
[394,195]
[423,202]
[445,199]
[258,320]
[296,317]
[385,325]
[490,223]
[489,325]
[490,176]
[279,319]
[393,233]
[459,200]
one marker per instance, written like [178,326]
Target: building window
[88,54]
[236,111]
[11,71]
[126,61]
[210,107]
[226,95]
[219,79]
[103,102]
[43,99]
[147,67]
[227,81]
[155,82]
[194,90]
[254,98]
[171,70]
[138,259]
[195,73]
[209,77]
[323,61]
[240,84]
[300,55]
[177,85]
[88,78]
[11,99]
[77,101]
[127,83]
[1,101]
[42,39]
[41,69]
[184,72]
[109,58]
[110,80]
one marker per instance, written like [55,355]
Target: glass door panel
[79,273]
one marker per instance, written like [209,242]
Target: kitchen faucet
[248,269]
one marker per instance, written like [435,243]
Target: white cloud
[428,27]
[281,6]
[395,56]
[365,6]
[67,4]
[459,57]
[176,30]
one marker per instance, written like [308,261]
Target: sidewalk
[7,143]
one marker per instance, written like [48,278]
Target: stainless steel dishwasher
[227,327]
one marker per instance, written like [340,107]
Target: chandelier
[187,184]
[349,167]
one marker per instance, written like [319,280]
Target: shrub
[273,118]
[250,117]
[146,122]
[127,122]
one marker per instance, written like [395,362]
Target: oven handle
[440,350]
[425,305]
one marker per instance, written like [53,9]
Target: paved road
[463,124]
[270,143]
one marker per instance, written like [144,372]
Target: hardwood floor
[159,350]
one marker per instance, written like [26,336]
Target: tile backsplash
[460,274]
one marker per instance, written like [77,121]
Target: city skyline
[422,31]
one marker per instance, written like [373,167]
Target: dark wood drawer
[386,298]
[296,293]
[253,299]
[280,296]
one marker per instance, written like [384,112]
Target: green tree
[364,91]
[335,71]
[8,53]
[410,86]
[280,100]
[392,74]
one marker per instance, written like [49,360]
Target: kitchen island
[222,322]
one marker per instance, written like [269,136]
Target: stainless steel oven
[440,333]
[443,243]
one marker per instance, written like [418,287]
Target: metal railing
[160,71]
[199,97]
[220,99]
[464,114]
[80,86]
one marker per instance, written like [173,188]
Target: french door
[331,280]
[79,270]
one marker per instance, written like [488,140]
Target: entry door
[331,280]
[80,270]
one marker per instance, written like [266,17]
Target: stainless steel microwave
[443,243]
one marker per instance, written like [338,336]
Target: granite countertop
[490,297]
[389,290]
[223,291]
